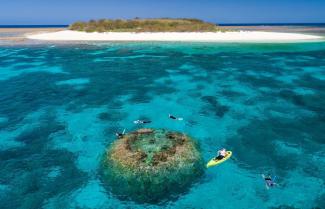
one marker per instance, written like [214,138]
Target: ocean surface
[33,26]
[61,104]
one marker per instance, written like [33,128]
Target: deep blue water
[33,26]
[265,102]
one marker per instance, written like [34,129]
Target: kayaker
[141,121]
[174,118]
[221,154]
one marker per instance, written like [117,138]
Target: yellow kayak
[213,162]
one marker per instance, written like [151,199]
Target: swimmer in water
[120,135]
[269,181]
[141,121]
[174,118]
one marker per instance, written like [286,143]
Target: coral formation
[151,165]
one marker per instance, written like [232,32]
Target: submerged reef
[151,165]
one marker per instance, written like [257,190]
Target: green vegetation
[145,25]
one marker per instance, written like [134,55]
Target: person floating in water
[269,181]
[120,135]
[141,121]
[221,154]
[174,118]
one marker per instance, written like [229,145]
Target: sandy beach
[18,35]
[233,36]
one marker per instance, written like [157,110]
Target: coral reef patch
[151,165]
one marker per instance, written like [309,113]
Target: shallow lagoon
[60,106]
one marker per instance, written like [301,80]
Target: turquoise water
[60,106]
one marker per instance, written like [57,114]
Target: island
[146,25]
[164,29]
[151,165]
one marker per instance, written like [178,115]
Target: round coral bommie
[151,165]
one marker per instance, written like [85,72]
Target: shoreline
[231,36]
[18,35]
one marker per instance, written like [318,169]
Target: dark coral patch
[151,165]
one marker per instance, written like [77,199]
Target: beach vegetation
[146,25]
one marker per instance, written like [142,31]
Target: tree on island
[145,25]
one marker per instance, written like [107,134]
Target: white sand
[241,36]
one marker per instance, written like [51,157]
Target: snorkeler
[221,154]
[120,135]
[141,121]
[174,118]
[269,181]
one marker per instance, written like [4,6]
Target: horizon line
[221,24]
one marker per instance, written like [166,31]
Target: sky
[217,11]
